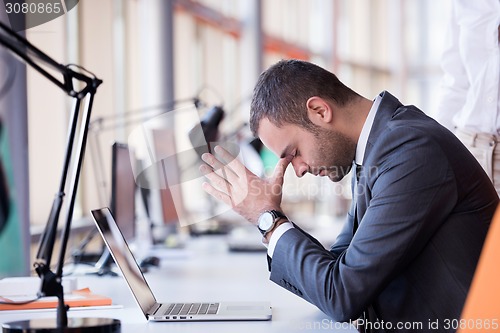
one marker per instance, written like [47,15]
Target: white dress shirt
[360,152]
[471,63]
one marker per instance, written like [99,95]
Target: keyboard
[183,309]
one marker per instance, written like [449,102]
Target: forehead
[278,139]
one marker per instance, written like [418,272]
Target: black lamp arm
[50,282]
[33,56]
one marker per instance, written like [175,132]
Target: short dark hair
[283,89]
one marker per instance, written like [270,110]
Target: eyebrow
[285,151]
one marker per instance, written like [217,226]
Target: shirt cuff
[276,235]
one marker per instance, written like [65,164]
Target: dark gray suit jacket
[413,235]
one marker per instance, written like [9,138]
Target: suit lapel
[386,110]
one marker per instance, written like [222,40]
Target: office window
[372,45]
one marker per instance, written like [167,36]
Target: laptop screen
[124,258]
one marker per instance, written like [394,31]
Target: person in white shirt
[469,104]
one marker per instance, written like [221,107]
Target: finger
[218,181]
[220,168]
[235,164]
[279,171]
[221,196]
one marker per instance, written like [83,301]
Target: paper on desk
[30,285]
[78,298]
[26,298]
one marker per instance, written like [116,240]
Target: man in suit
[421,204]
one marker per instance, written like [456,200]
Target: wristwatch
[268,219]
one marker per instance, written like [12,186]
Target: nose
[300,167]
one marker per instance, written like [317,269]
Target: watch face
[266,221]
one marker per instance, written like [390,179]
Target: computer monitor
[122,203]
[164,145]
[123,190]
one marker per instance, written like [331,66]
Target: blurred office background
[152,53]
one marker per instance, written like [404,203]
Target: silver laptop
[156,311]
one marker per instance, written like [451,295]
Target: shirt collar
[365,131]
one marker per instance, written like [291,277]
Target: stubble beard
[337,153]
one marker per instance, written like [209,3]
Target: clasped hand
[246,193]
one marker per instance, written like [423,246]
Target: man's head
[299,109]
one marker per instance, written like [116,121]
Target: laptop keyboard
[183,309]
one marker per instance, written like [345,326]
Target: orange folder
[78,298]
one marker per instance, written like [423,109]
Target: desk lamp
[79,123]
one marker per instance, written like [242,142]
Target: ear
[319,111]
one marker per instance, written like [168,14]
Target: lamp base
[80,325]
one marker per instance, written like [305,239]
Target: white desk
[205,271]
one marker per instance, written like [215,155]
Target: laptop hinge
[153,309]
